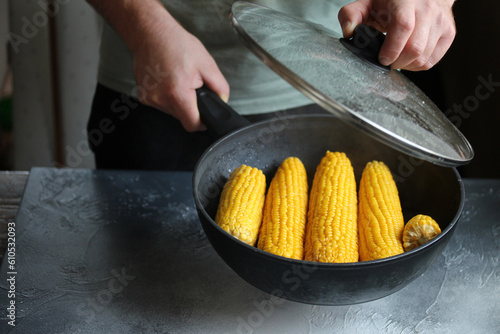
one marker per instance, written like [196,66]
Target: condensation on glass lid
[427,139]
[329,68]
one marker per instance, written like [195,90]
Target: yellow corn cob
[331,232]
[241,203]
[380,218]
[285,210]
[418,231]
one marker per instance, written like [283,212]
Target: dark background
[472,59]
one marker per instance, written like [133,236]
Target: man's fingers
[400,29]
[439,51]
[213,79]
[420,60]
[180,102]
[187,112]
[419,46]
[431,28]
[438,45]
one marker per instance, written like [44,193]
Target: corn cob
[241,203]
[380,218]
[418,231]
[331,232]
[285,210]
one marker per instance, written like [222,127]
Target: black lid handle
[219,118]
[366,43]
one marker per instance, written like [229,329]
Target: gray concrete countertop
[124,252]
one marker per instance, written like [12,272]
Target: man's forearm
[134,18]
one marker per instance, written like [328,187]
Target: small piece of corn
[418,231]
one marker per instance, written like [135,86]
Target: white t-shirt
[254,87]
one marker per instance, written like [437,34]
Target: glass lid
[381,102]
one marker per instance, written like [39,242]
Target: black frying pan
[424,188]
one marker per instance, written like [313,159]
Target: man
[158,53]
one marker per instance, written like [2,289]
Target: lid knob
[366,43]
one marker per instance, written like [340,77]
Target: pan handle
[219,118]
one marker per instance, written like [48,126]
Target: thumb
[352,15]
[217,83]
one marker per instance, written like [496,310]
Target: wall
[5,92]
[77,40]
[466,84]
[4,27]
[471,77]
[32,104]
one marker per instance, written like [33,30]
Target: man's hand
[419,32]
[181,65]
[169,63]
